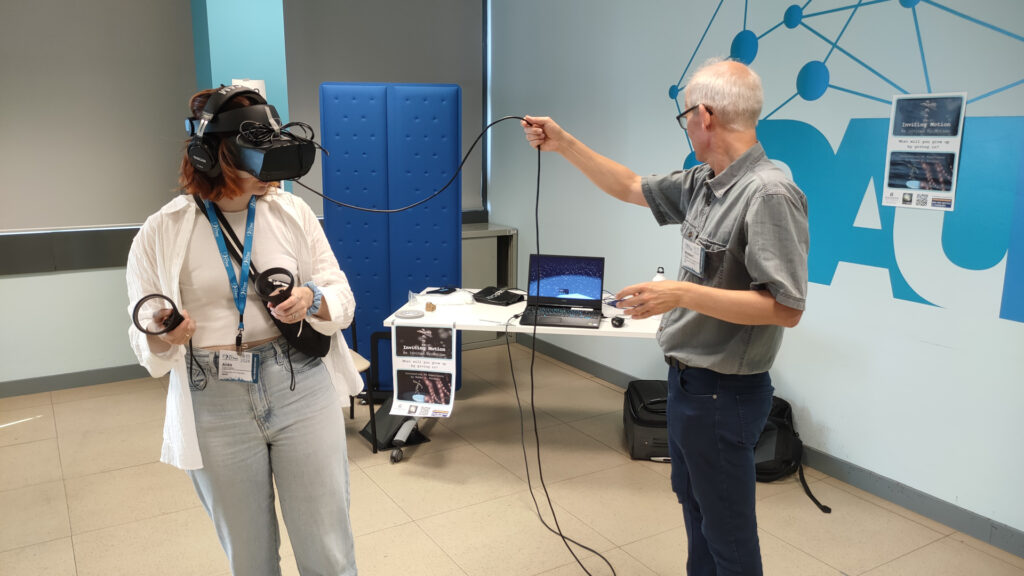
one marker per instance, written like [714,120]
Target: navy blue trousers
[714,421]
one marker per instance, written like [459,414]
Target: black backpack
[779,451]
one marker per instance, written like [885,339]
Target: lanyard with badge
[238,365]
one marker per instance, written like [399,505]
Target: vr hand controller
[156,314]
[275,285]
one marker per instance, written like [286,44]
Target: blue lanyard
[239,287]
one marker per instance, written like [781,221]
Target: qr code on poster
[921,200]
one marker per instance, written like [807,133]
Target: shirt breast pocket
[715,261]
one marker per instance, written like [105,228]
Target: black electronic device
[564,291]
[618,321]
[265,148]
[497,296]
[275,285]
[644,419]
[156,314]
[442,290]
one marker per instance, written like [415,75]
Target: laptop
[564,291]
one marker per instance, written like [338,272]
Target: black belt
[676,363]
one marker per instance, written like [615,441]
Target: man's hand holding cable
[294,308]
[542,132]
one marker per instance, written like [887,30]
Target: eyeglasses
[682,117]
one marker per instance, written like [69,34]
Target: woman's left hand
[294,308]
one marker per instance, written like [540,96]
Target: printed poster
[423,358]
[923,153]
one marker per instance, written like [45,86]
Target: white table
[491,318]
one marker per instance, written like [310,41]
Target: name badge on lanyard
[244,367]
[693,257]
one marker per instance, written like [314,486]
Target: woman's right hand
[180,335]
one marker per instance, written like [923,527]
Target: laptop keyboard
[558,315]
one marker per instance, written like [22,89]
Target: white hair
[730,89]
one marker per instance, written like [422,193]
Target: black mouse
[618,321]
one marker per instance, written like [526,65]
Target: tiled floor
[81,492]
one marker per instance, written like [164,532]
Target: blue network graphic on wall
[988,222]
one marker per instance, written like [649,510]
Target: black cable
[533,411]
[435,194]
[259,134]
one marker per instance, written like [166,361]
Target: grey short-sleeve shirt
[751,223]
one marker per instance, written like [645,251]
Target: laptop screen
[566,280]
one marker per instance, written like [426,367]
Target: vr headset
[276,155]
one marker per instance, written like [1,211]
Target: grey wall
[387,41]
[93,102]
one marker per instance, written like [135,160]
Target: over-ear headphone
[201,151]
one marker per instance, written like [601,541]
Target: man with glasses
[742,279]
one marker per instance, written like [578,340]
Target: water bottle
[659,276]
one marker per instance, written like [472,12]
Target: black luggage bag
[643,418]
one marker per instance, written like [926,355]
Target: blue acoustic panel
[424,149]
[392,145]
[354,132]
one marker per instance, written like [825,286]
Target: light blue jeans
[255,435]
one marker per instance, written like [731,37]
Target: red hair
[227,184]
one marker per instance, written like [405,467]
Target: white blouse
[155,265]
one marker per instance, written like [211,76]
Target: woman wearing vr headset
[246,410]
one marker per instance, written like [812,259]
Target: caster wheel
[396,455]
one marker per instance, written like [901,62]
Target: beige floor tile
[53,558]
[24,401]
[947,557]
[545,373]
[127,495]
[505,536]
[26,425]
[493,359]
[443,481]
[658,467]
[909,515]
[33,515]
[578,398]
[179,543]
[855,537]
[783,485]
[663,553]
[479,404]
[606,429]
[404,549]
[29,463]
[989,549]
[109,389]
[597,499]
[109,411]
[103,449]
[624,565]
[780,559]
[372,510]
[565,451]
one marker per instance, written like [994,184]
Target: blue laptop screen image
[568,283]
[554,279]
[576,281]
